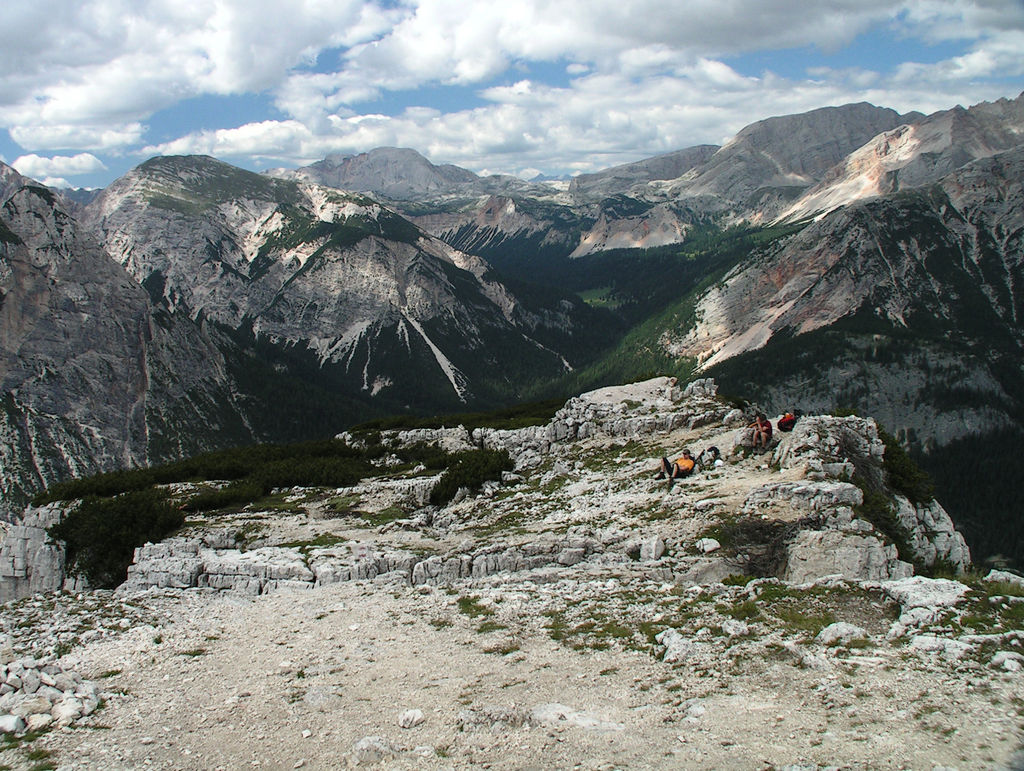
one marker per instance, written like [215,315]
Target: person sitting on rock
[761,431]
[679,468]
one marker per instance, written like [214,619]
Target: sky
[91,88]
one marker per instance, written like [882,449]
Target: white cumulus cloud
[637,77]
[39,167]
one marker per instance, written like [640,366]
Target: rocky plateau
[579,613]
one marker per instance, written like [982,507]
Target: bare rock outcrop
[30,561]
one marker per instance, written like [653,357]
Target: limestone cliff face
[916,154]
[85,365]
[73,329]
[904,259]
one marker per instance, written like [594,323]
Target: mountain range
[849,257]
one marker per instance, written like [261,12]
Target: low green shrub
[234,494]
[518,416]
[903,474]
[470,469]
[102,533]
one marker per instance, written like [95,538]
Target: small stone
[306,733]
[372,749]
[735,628]
[30,681]
[38,721]
[11,724]
[67,711]
[410,718]
[32,706]
[1009,661]
[841,633]
[707,545]
[651,549]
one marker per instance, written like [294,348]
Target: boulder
[933,537]
[678,647]
[1003,576]
[371,750]
[707,545]
[922,600]
[814,554]
[841,633]
[30,562]
[651,549]
[11,724]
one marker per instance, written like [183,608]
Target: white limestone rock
[11,724]
[707,545]
[38,722]
[922,600]
[933,536]
[30,562]
[651,549]
[561,715]
[410,718]
[841,633]
[1004,576]
[814,554]
[735,628]
[678,647]
[947,648]
[371,750]
[1010,661]
[801,498]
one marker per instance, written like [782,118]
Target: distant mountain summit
[392,172]
[399,174]
[915,154]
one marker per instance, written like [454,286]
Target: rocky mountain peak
[392,172]
[915,154]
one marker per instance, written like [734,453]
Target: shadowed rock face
[73,335]
[91,379]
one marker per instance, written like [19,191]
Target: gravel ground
[304,680]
